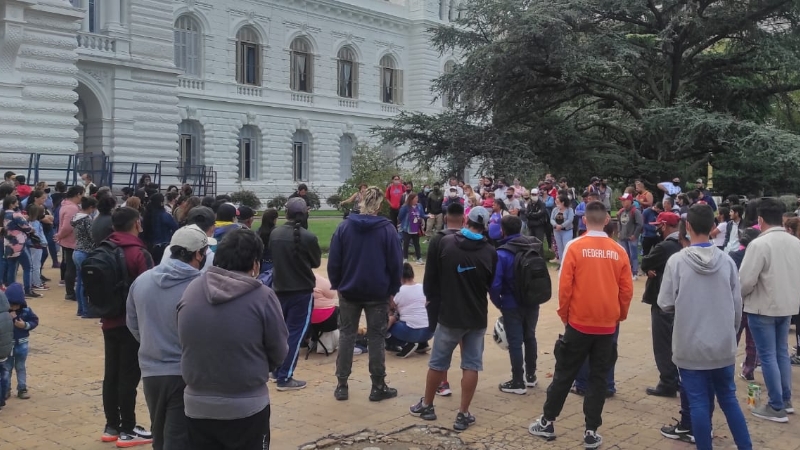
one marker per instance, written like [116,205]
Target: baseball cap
[535,191]
[699,180]
[192,238]
[246,213]
[227,212]
[202,216]
[626,196]
[594,179]
[669,218]
[480,215]
[296,205]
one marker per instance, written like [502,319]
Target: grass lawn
[323,228]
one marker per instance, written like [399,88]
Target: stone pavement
[65,369]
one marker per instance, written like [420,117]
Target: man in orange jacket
[594,293]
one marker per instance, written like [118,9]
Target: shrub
[279,202]
[335,201]
[246,198]
[313,199]
[790,201]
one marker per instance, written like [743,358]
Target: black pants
[121,378]
[68,271]
[661,324]
[249,433]
[538,232]
[648,242]
[164,396]
[409,238]
[571,351]
[393,213]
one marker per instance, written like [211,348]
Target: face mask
[509,196]
[203,261]
[453,194]
[534,198]
[408,189]
[213,248]
[427,190]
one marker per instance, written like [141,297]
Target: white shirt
[733,243]
[672,189]
[719,240]
[410,303]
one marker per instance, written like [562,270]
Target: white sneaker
[635,278]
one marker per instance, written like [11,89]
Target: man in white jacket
[770,288]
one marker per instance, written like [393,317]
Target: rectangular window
[346,79]
[247,61]
[300,161]
[186,150]
[94,16]
[301,72]
[387,83]
[246,159]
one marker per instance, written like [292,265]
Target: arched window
[346,146]
[301,143]
[190,143]
[248,57]
[447,100]
[391,81]
[301,66]
[188,45]
[248,151]
[347,70]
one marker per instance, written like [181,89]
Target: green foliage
[335,202]
[247,198]
[279,202]
[790,201]
[313,199]
[621,88]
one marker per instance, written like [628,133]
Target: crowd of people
[204,311]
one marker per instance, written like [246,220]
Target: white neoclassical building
[266,94]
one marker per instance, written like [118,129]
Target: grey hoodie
[232,334]
[701,286]
[6,328]
[152,317]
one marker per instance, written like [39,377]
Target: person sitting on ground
[325,315]
[409,327]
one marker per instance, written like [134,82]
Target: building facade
[269,93]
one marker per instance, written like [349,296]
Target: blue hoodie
[153,319]
[365,263]
[16,296]
[502,290]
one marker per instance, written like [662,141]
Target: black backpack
[532,285]
[105,280]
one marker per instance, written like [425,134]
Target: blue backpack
[550,202]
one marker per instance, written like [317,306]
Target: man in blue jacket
[519,322]
[365,265]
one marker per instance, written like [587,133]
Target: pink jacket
[66,234]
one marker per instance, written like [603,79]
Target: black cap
[227,212]
[202,216]
[246,213]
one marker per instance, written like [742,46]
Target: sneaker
[44,279]
[423,412]
[342,392]
[70,297]
[382,392]
[542,428]
[787,406]
[40,287]
[677,432]
[463,421]
[23,394]
[405,260]
[766,412]
[423,348]
[444,390]
[530,380]
[142,432]
[635,278]
[407,349]
[514,387]
[420,261]
[577,391]
[127,440]
[795,360]
[591,439]
[32,294]
[291,385]
[62,283]
[745,377]
[109,434]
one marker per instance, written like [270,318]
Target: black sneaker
[32,294]
[530,380]
[423,348]
[129,439]
[514,387]
[591,439]
[382,392]
[291,385]
[542,428]
[110,434]
[44,279]
[342,392]
[70,297]
[463,421]
[423,412]
[677,432]
[407,349]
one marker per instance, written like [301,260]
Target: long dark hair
[153,209]
[268,222]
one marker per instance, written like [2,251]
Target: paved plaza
[65,370]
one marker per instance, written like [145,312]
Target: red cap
[626,196]
[669,218]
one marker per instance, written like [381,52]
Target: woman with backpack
[84,244]
[158,226]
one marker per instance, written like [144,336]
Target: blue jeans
[12,265]
[16,362]
[4,380]
[520,325]
[632,249]
[582,380]
[404,334]
[446,340]
[700,387]
[772,345]
[562,237]
[3,265]
[36,266]
[297,314]
[83,306]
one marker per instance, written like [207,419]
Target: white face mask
[534,198]
[453,194]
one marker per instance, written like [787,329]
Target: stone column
[112,11]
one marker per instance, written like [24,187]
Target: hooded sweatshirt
[6,328]
[151,317]
[138,260]
[232,335]
[16,296]
[82,226]
[502,291]
[365,263]
[701,286]
[297,252]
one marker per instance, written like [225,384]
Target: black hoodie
[462,274]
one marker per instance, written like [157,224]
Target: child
[35,214]
[6,344]
[24,321]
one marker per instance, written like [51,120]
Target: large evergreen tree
[621,88]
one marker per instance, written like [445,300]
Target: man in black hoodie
[462,274]
[653,265]
[365,265]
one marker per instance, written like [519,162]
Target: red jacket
[138,260]
[394,194]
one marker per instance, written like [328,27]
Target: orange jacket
[595,286]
